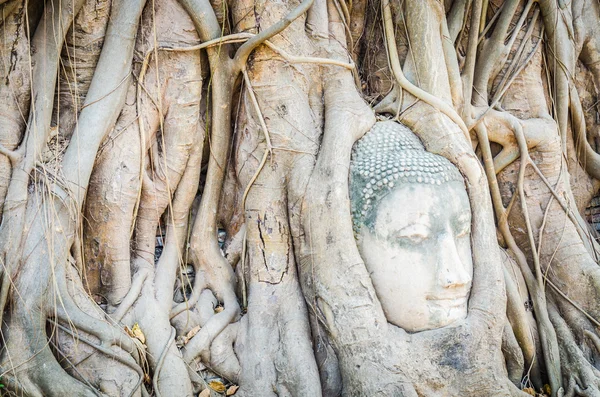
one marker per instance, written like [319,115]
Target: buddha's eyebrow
[413,219]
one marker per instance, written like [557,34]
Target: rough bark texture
[175,208]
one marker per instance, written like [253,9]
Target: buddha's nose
[451,270]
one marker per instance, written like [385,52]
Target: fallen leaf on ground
[547,389]
[204,393]
[217,386]
[191,334]
[137,332]
[232,389]
[529,390]
[129,332]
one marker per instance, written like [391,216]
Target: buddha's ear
[358,238]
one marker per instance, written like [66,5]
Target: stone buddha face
[412,221]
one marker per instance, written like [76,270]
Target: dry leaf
[529,390]
[232,389]
[204,393]
[547,389]
[191,334]
[217,386]
[219,309]
[129,332]
[138,334]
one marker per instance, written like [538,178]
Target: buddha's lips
[450,300]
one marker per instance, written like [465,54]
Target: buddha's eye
[462,225]
[415,234]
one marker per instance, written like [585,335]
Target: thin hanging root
[161,361]
[243,264]
[562,48]
[543,226]
[524,41]
[487,27]
[578,222]
[587,156]
[575,305]
[417,92]
[551,343]
[269,150]
[143,150]
[243,37]
[108,352]
[345,17]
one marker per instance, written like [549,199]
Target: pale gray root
[220,358]
[522,321]
[43,294]
[513,356]
[581,377]
[493,52]
[82,360]
[130,153]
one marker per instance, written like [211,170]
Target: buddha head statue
[412,221]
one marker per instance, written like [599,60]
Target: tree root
[161,361]
[583,379]
[132,295]
[418,93]
[205,251]
[108,352]
[534,283]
